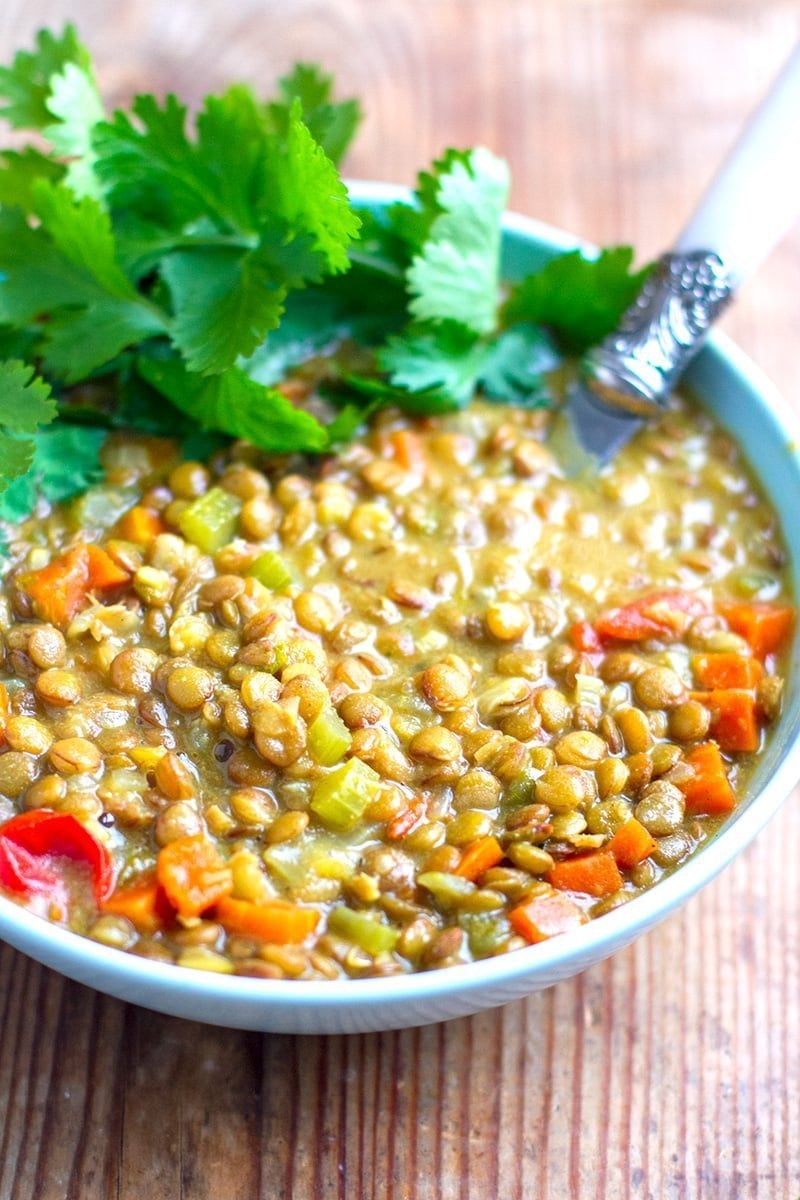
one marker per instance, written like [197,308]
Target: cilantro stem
[380,265]
[197,240]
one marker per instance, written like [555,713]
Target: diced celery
[329,739]
[367,932]
[210,520]
[487,932]
[754,584]
[312,856]
[447,890]
[341,798]
[271,571]
[285,862]
[100,507]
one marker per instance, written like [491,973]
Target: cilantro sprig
[183,265]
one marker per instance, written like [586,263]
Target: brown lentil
[28,734]
[75,756]
[189,687]
[58,688]
[47,647]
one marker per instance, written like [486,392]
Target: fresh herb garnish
[157,259]
[579,299]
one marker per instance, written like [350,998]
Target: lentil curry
[421,703]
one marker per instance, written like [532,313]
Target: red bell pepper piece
[31,845]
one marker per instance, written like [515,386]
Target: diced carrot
[144,904]
[734,719]
[709,790]
[726,670]
[765,627]
[545,916]
[5,712]
[658,614]
[270,920]
[59,590]
[596,874]
[407,450]
[631,844]
[141,525]
[478,857]
[584,637]
[104,573]
[193,874]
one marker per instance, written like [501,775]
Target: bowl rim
[76,954]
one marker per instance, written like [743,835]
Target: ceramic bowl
[744,402]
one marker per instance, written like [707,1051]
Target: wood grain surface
[672,1070]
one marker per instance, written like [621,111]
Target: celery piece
[488,933]
[210,520]
[329,739]
[285,862]
[100,507]
[754,584]
[367,932]
[447,890]
[341,798]
[271,570]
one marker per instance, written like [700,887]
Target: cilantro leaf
[25,404]
[75,102]
[236,405]
[307,194]
[150,165]
[81,231]
[35,278]
[19,171]
[18,343]
[316,322]
[378,393]
[233,136]
[16,457]
[411,223]
[515,364]
[76,342]
[349,420]
[246,179]
[445,359]
[26,84]
[332,124]
[455,276]
[225,302]
[66,268]
[65,462]
[581,300]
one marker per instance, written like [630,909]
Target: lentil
[189,687]
[58,688]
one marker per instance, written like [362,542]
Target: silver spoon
[751,203]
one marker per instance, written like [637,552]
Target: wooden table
[672,1070]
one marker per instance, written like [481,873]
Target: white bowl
[746,404]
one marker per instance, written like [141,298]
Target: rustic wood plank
[669,1071]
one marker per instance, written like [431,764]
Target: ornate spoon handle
[749,206]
